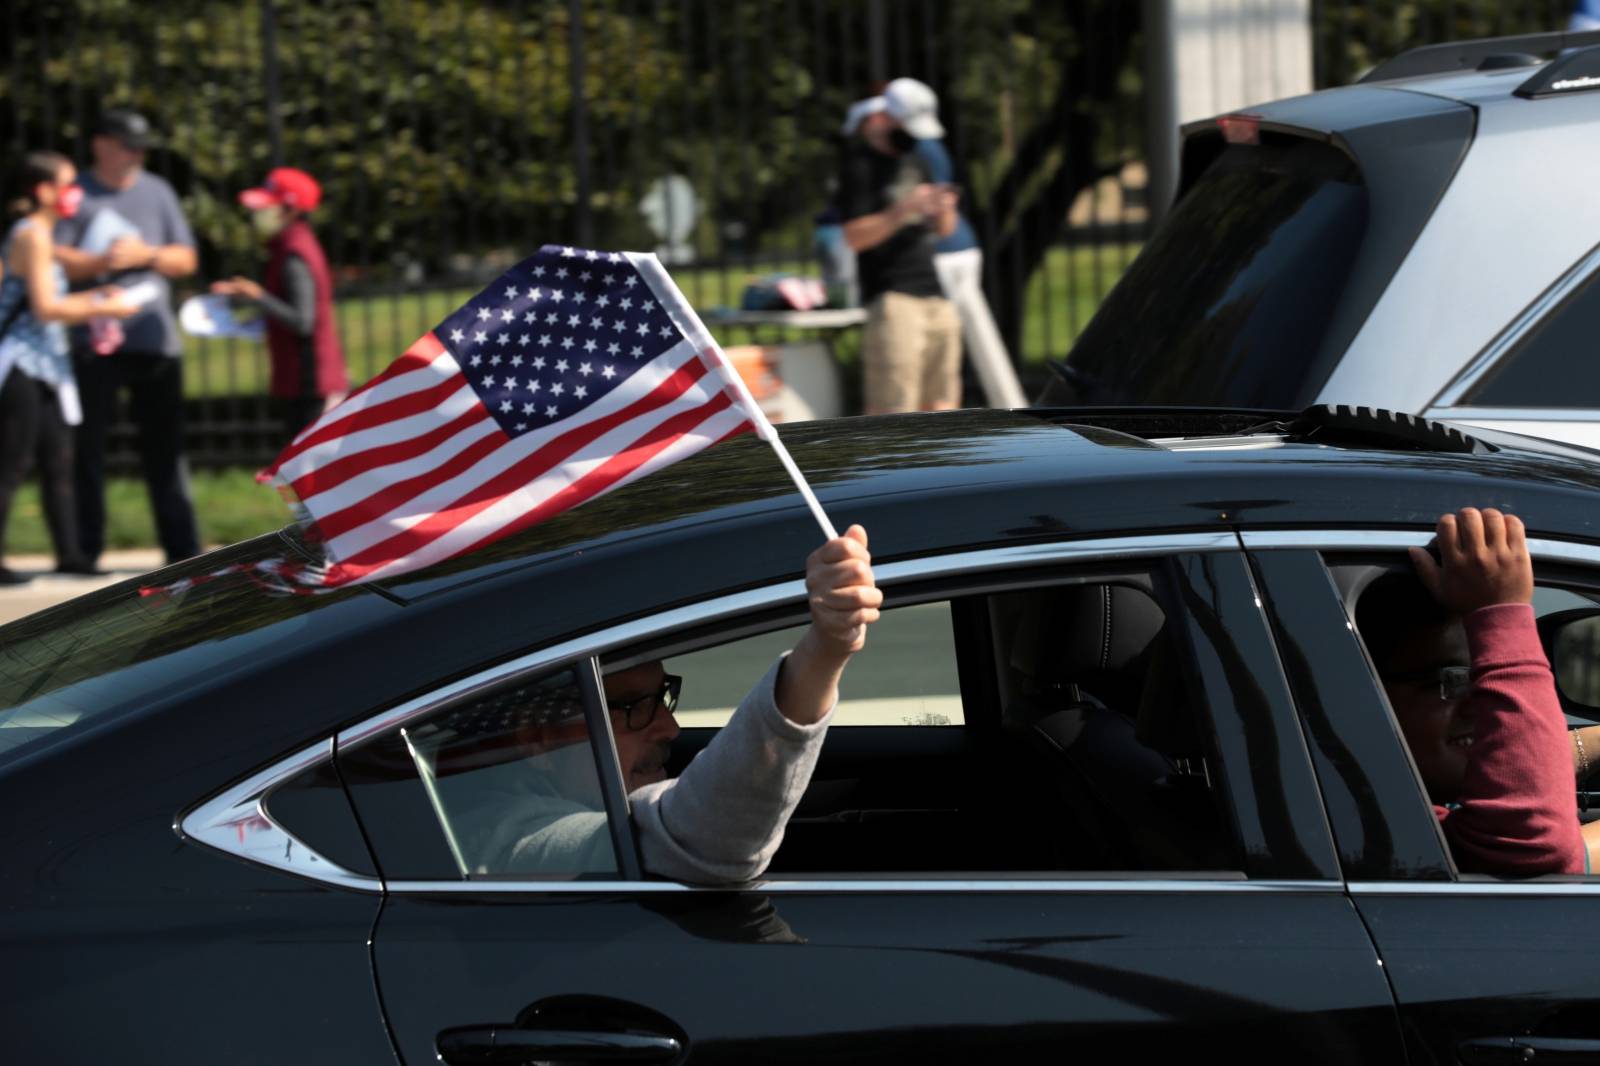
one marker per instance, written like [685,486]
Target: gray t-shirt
[152,208]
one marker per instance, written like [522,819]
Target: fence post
[877,42]
[269,71]
[1160,107]
[580,122]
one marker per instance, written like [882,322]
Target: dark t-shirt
[869,182]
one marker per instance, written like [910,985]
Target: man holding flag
[575,373]
[723,818]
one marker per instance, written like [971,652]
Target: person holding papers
[131,230]
[308,371]
[38,393]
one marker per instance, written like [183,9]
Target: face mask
[268,221]
[902,141]
[69,201]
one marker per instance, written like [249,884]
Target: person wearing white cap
[958,259]
[894,216]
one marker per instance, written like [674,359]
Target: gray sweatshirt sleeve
[722,819]
[299,311]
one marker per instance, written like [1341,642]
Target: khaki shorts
[911,354]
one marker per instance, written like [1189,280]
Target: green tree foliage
[454,136]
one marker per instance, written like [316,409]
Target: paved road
[48,589]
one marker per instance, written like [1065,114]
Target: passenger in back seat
[1460,658]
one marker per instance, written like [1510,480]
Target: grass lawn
[1062,295]
[229,504]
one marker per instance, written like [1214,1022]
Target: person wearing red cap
[296,296]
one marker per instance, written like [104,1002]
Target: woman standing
[38,394]
[308,372]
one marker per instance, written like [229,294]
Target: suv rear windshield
[1230,302]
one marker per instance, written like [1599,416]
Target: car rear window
[136,644]
[1230,302]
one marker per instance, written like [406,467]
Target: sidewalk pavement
[48,589]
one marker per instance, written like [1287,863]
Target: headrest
[1080,630]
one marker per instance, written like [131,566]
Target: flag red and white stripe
[428,462]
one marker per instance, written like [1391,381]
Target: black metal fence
[454,137]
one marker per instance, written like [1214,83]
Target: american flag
[575,373]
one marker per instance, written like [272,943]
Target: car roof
[921,484]
[728,520]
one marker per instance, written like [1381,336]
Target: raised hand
[843,598]
[1483,561]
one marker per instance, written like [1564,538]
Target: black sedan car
[1113,778]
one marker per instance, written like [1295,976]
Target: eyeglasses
[1453,681]
[639,713]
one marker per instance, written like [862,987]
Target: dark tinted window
[1554,366]
[503,784]
[1230,302]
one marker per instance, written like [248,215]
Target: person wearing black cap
[133,232]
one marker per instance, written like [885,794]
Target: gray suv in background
[1427,240]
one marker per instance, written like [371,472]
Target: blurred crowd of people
[87,315]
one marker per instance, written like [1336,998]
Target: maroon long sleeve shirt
[1517,814]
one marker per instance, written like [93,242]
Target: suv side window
[1549,367]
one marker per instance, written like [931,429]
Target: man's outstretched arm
[723,818]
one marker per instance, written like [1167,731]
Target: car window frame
[934,577]
[1549,554]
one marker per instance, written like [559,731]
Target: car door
[1484,970]
[911,914]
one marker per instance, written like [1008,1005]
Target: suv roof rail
[1454,56]
[1577,71]
[1374,426]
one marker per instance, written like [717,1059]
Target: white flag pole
[688,322]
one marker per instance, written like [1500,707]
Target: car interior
[1080,748]
[1077,745]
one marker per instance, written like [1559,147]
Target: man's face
[114,157]
[1438,731]
[878,129]
[642,752]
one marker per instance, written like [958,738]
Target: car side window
[908,678]
[1047,729]
[1541,371]
[1422,661]
[506,782]
[1052,728]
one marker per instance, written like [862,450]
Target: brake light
[1241,129]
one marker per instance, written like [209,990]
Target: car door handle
[1494,1050]
[509,1044]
